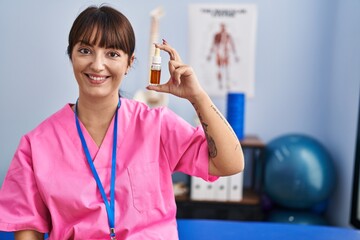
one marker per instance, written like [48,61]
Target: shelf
[252,141]
[249,198]
[249,209]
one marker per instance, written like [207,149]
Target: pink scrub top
[49,186]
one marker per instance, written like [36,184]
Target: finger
[159,88]
[175,69]
[180,72]
[171,51]
[174,65]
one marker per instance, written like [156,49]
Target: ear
[132,58]
[131,61]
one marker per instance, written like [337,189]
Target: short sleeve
[185,146]
[21,205]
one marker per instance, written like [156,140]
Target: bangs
[102,32]
[104,27]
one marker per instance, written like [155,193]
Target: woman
[101,168]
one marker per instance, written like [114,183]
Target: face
[98,71]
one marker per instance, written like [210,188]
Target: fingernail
[164,41]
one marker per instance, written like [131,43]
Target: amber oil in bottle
[155,68]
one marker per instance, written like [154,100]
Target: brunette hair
[112,30]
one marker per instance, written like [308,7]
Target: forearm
[28,235]
[225,152]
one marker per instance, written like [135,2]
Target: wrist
[199,99]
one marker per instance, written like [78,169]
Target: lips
[96,79]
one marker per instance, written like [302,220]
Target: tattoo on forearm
[210,141]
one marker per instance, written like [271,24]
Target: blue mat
[230,230]
[6,236]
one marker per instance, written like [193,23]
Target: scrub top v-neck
[49,187]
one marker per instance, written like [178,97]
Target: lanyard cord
[110,209]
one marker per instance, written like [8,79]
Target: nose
[98,63]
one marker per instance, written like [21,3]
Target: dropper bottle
[155,68]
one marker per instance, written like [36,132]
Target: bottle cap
[156,58]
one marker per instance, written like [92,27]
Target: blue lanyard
[110,209]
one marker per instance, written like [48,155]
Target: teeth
[97,78]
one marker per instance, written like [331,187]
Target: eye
[84,51]
[113,54]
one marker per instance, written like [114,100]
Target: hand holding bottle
[183,81]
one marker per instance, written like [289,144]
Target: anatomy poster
[222,47]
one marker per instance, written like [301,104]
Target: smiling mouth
[96,79]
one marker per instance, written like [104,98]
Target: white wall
[343,105]
[307,71]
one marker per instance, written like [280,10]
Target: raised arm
[225,152]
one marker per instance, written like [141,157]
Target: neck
[97,110]
[96,115]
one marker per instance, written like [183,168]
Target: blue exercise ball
[299,172]
[296,217]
